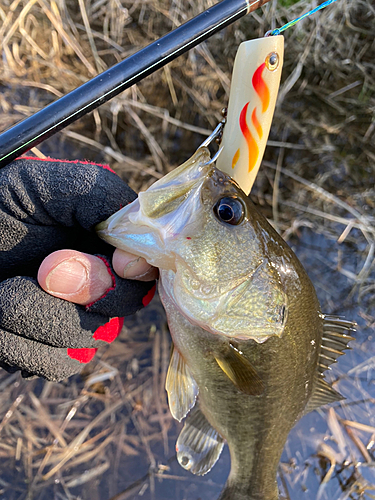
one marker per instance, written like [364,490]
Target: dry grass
[111,431]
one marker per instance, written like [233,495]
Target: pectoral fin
[198,446]
[240,371]
[181,387]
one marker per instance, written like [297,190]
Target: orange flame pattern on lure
[255,83]
[251,143]
[260,87]
[236,157]
[256,123]
[263,92]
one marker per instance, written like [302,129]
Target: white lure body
[252,100]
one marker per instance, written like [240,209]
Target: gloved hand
[47,205]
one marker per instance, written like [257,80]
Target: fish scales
[255,427]
[244,318]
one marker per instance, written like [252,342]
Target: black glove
[48,205]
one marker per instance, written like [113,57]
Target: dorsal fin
[239,370]
[322,394]
[181,387]
[199,445]
[335,340]
[336,336]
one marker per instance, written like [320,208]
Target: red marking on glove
[57,160]
[110,330]
[107,167]
[84,355]
[149,296]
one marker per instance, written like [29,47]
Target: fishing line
[277,31]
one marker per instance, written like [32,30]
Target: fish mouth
[126,234]
[150,225]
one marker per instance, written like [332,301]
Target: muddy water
[303,471]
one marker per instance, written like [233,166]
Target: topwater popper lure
[252,100]
[255,84]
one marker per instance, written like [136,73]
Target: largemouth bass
[250,341]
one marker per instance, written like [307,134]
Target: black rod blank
[54,117]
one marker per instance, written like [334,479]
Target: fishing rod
[100,89]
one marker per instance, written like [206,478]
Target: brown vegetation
[93,437]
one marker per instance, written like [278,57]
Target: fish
[250,343]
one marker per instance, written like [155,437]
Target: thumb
[74,276]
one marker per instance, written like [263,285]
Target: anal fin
[240,371]
[181,387]
[199,445]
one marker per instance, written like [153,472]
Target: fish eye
[229,210]
[272,61]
